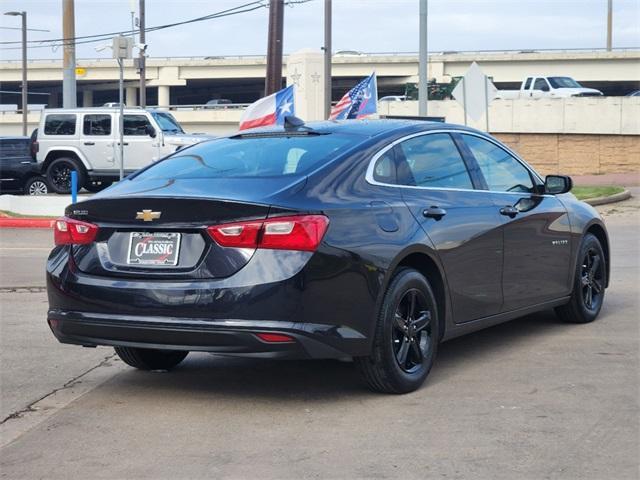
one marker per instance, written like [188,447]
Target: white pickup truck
[548,87]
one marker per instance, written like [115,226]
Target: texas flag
[269,110]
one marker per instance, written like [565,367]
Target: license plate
[159,249]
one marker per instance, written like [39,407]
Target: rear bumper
[217,315]
[231,337]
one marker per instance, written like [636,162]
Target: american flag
[360,101]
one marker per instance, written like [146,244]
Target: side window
[135,125]
[60,124]
[96,125]
[527,83]
[384,170]
[432,160]
[541,84]
[503,172]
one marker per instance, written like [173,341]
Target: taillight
[35,147]
[67,231]
[302,232]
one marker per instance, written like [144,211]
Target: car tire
[149,359]
[590,278]
[95,187]
[406,336]
[36,186]
[59,174]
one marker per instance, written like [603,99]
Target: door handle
[434,212]
[89,143]
[509,211]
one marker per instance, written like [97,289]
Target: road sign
[475,92]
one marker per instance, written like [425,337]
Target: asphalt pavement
[530,399]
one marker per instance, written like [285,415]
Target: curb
[9,222]
[618,197]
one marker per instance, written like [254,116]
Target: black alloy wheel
[406,336]
[590,280]
[411,334]
[59,175]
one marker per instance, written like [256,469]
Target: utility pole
[25,106]
[69,55]
[273,81]
[609,25]
[423,70]
[142,59]
[327,58]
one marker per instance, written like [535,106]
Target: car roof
[98,110]
[370,127]
[16,137]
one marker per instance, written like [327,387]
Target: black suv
[19,171]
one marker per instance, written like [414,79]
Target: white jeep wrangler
[87,140]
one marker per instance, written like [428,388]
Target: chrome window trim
[370,168]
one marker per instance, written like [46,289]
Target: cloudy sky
[363,25]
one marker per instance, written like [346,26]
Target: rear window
[60,124]
[272,156]
[14,147]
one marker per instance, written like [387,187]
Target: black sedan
[19,171]
[374,240]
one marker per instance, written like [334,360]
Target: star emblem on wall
[295,76]
[315,77]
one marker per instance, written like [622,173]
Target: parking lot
[532,399]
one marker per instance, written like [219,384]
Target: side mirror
[545,88]
[149,130]
[556,184]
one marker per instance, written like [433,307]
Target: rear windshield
[271,156]
[14,147]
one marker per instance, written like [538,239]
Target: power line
[56,43]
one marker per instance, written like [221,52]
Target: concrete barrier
[45,205]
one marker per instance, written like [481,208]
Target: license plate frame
[159,258]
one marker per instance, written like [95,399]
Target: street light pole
[142,58]
[423,71]
[609,25]
[68,54]
[25,106]
[327,58]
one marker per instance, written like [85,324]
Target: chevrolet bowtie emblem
[147,215]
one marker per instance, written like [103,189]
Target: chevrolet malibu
[372,240]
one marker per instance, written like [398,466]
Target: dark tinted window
[502,171]
[135,125]
[251,157]
[97,125]
[60,124]
[541,84]
[432,161]
[527,84]
[14,147]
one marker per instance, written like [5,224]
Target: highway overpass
[195,80]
